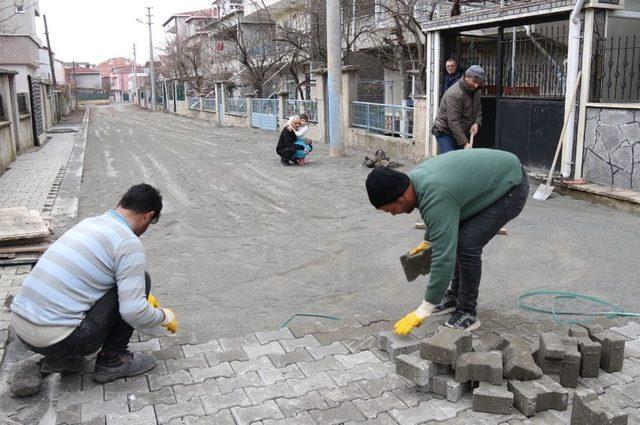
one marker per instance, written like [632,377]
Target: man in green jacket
[464,198]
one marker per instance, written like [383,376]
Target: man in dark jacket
[453,74]
[460,112]
[287,142]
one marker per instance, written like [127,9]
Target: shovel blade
[543,192]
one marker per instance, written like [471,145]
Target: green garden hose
[321,316]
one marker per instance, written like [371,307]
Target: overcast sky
[94,30]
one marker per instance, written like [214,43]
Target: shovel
[544,190]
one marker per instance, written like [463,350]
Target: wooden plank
[31,259]
[13,249]
[18,224]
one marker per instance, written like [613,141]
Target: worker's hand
[468,146]
[153,301]
[474,129]
[170,321]
[414,319]
[424,245]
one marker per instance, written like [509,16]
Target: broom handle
[564,127]
[471,139]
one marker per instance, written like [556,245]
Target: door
[264,114]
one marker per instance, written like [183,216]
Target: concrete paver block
[612,354]
[492,341]
[518,362]
[551,346]
[448,387]
[578,331]
[480,367]
[589,410]
[570,367]
[590,352]
[446,345]
[491,398]
[251,414]
[534,396]
[395,345]
[418,370]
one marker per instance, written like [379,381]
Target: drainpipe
[572,74]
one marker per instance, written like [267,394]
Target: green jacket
[451,188]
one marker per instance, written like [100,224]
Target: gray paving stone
[431,410]
[570,367]
[491,398]
[187,392]
[361,344]
[335,325]
[215,403]
[173,353]
[294,344]
[517,360]
[291,357]
[417,370]
[375,406]
[551,346]
[480,367]
[222,418]
[255,364]
[197,361]
[99,409]
[590,353]
[164,413]
[251,414]
[612,350]
[259,395]
[314,383]
[360,373]
[162,396]
[411,396]
[303,418]
[220,370]
[338,415]
[121,388]
[269,336]
[324,365]
[151,345]
[588,410]
[446,345]
[469,417]
[69,399]
[276,375]
[334,397]
[394,345]
[447,386]
[377,387]
[179,377]
[327,350]
[449,410]
[631,390]
[225,356]
[255,351]
[302,329]
[236,343]
[145,416]
[366,319]
[250,379]
[207,347]
[603,381]
[291,407]
[535,396]
[352,360]
[630,368]
[349,334]
[631,330]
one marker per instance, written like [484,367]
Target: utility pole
[334,79]
[53,71]
[151,73]
[134,67]
[75,83]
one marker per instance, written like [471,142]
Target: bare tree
[187,60]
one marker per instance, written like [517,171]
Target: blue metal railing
[297,107]
[380,118]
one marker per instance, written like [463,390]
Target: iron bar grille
[264,106]
[297,107]
[236,106]
[23,104]
[615,75]
[380,118]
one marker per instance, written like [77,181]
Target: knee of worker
[147,283]
[469,253]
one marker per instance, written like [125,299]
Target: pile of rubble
[504,371]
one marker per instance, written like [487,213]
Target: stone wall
[25,131]
[612,147]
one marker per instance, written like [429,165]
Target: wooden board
[17,224]
[13,249]
[20,259]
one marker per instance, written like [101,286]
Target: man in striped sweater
[90,290]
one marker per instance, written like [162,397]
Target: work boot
[447,305]
[463,321]
[285,162]
[67,365]
[121,365]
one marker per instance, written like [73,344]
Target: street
[244,243]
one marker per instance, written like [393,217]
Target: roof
[7,71]
[81,70]
[106,66]
[211,12]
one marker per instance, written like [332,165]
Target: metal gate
[264,114]
[36,107]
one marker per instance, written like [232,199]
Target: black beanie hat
[385,185]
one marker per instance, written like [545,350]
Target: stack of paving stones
[334,373]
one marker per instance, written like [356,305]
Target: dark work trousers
[447,143]
[474,233]
[287,153]
[102,327]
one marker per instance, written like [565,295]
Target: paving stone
[151,345]
[236,354]
[291,357]
[173,353]
[446,345]
[197,361]
[120,389]
[251,414]
[327,350]
[480,367]
[314,383]
[336,325]
[538,395]
[255,364]
[630,368]
[85,396]
[631,390]
[222,418]
[603,381]
[324,365]
[269,336]
[449,410]
[631,330]
[377,387]
[431,327]
[490,342]
[411,396]
[346,334]
[491,398]
[99,409]
[517,361]
[334,397]
[276,375]
[179,377]
[303,418]
[570,367]
[236,343]
[588,410]
[376,316]
[291,407]
[362,344]
[294,344]
[220,370]
[431,410]
[612,350]
[215,403]
[250,379]
[470,417]
[259,395]
[145,416]
[26,378]
[448,387]
[417,370]
[590,352]
[141,400]
[360,373]
[338,415]
[352,360]
[375,406]
[551,346]
[578,331]
[207,347]
[255,351]
[187,392]
[164,413]
[395,345]
[302,329]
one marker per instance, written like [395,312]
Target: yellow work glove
[414,319]
[153,301]
[424,245]
[170,321]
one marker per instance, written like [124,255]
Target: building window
[23,104]
[2,114]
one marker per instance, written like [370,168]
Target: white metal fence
[380,118]
[264,106]
[297,107]
[236,106]
[202,103]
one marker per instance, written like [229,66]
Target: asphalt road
[244,243]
